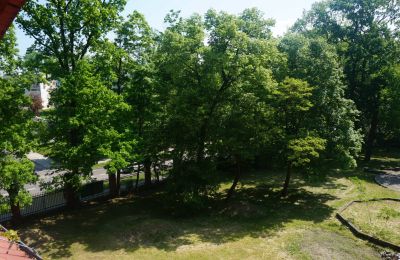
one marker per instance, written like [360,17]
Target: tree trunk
[369,144]
[112,179]
[15,208]
[70,192]
[137,177]
[118,182]
[16,214]
[147,172]
[238,173]
[71,197]
[200,145]
[156,172]
[287,180]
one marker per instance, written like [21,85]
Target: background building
[42,92]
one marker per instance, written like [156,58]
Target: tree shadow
[143,221]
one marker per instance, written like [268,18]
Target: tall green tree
[16,140]
[16,130]
[205,65]
[112,64]
[82,126]
[67,30]
[126,65]
[137,38]
[390,108]
[332,116]
[244,130]
[365,34]
[299,144]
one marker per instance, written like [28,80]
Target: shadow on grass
[144,222]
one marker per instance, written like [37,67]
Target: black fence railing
[48,201]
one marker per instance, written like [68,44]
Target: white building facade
[43,91]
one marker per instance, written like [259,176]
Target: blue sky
[285,12]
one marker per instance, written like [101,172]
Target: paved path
[389,180]
[46,174]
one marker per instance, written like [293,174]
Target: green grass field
[378,218]
[256,224]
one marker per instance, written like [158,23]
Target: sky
[285,12]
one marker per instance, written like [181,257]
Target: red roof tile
[11,251]
[8,11]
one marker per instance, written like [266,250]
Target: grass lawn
[256,224]
[378,218]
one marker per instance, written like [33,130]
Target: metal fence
[48,201]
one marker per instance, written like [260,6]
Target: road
[43,168]
[46,174]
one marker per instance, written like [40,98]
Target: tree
[16,139]
[16,129]
[332,116]
[138,41]
[203,82]
[365,34]
[111,64]
[300,152]
[292,100]
[390,108]
[38,66]
[82,126]
[66,30]
[126,65]
[36,105]
[8,53]
[243,131]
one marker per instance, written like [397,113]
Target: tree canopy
[210,94]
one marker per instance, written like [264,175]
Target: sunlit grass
[378,218]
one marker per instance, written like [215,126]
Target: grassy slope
[256,224]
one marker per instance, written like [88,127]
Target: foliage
[298,144]
[11,235]
[303,150]
[82,123]
[66,30]
[211,89]
[365,34]
[332,116]
[8,53]
[127,67]
[37,105]
[390,108]
[16,139]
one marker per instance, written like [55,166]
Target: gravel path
[391,181]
